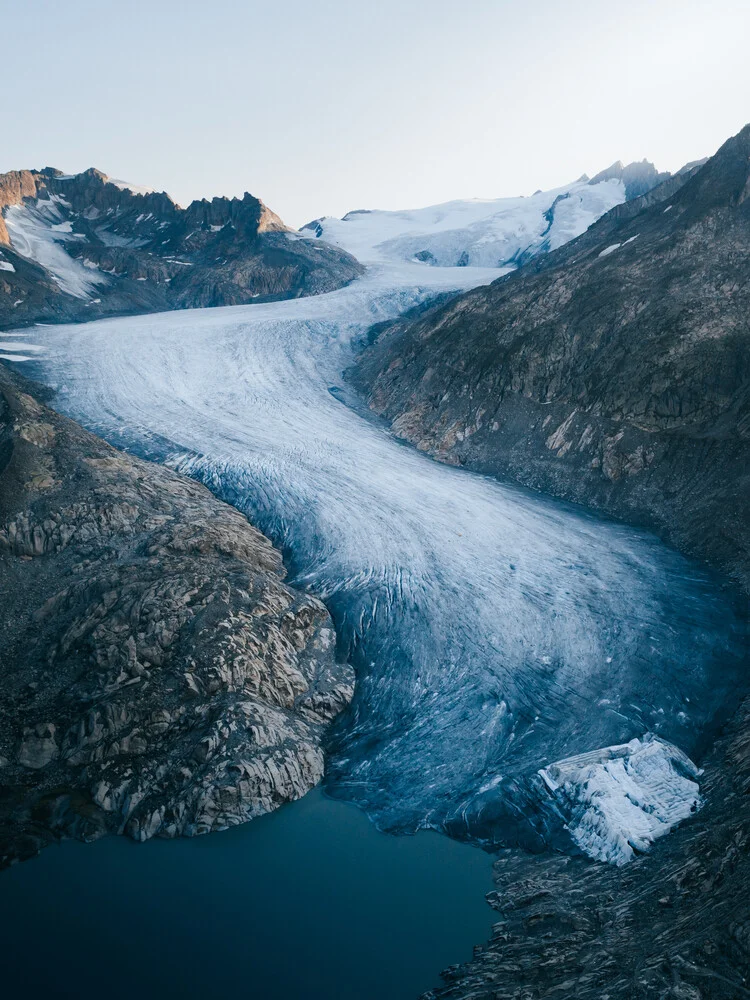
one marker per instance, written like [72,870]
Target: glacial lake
[308,903]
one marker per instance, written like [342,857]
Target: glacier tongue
[492,630]
[619,800]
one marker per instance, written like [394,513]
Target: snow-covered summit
[500,232]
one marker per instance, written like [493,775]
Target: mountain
[159,676]
[636,178]
[75,247]
[82,246]
[504,232]
[614,371]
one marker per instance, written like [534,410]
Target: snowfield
[501,232]
[39,231]
[493,631]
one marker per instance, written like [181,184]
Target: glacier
[492,630]
[475,232]
[39,231]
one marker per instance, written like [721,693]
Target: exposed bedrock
[158,676]
[76,247]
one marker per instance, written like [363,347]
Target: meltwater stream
[493,631]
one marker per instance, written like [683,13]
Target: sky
[322,106]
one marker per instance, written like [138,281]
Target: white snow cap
[497,232]
[619,800]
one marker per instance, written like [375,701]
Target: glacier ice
[500,232]
[619,800]
[492,629]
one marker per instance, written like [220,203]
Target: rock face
[83,246]
[637,178]
[613,372]
[158,676]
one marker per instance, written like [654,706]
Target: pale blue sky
[323,107]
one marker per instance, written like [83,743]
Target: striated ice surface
[492,630]
[618,801]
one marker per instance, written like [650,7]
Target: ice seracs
[619,800]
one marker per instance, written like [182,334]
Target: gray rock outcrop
[158,676]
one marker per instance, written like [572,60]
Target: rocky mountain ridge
[75,247]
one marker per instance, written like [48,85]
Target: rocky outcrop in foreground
[158,677]
[78,247]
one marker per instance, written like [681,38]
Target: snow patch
[5,265]
[610,249]
[619,800]
[15,345]
[38,231]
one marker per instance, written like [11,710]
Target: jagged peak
[638,177]
[691,165]
[246,213]
[724,179]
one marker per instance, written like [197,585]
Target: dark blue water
[309,903]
